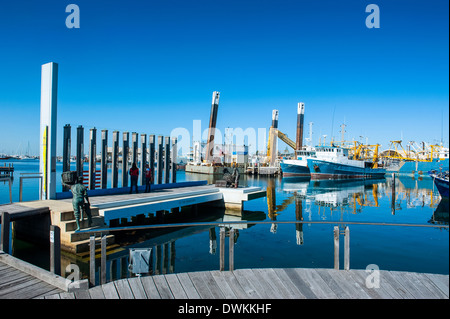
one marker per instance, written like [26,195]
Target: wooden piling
[151,155]
[167,160]
[347,248]
[55,250]
[143,159]
[231,250]
[5,232]
[159,165]
[222,248]
[336,247]
[92,260]
[104,160]
[80,150]
[134,147]
[92,156]
[115,160]
[125,150]
[66,151]
[173,154]
[103,261]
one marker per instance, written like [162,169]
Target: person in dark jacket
[134,173]
[148,178]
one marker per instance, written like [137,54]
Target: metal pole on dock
[5,232]
[125,150]
[80,150]
[151,155]
[159,165]
[104,161]
[173,154]
[167,160]
[55,250]
[66,151]
[143,157]
[92,156]
[115,160]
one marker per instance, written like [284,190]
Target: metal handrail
[225,223]
[229,224]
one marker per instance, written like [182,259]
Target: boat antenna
[332,122]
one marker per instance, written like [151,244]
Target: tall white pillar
[48,129]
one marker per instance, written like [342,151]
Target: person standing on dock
[148,178]
[79,192]
[134,173]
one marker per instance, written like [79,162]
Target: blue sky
[151,66]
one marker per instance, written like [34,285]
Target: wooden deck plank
[137,288]
[123,289]
[97,292]
[440,281]
[301,285]
[212,285]
[291,290]
[82,294]
[39,289]
[224,286]
[355,290]
[425,286]
[386,277]
[402,279]
[316,283]
[68,295]
[241,283]
[250,284]
[19,288]
[377,293]
[188,286]
[175,286]
[163,287]
[332,283]
[289,284]
[266,283]
[275,281]
[201,284]
[150,288]
[109,290]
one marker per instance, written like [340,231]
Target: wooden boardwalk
[17,284]
[280,283]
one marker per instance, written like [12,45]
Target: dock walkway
[21,280]
[271,283]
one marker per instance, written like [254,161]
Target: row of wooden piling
[151,153]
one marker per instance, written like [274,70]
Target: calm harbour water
[285,245]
